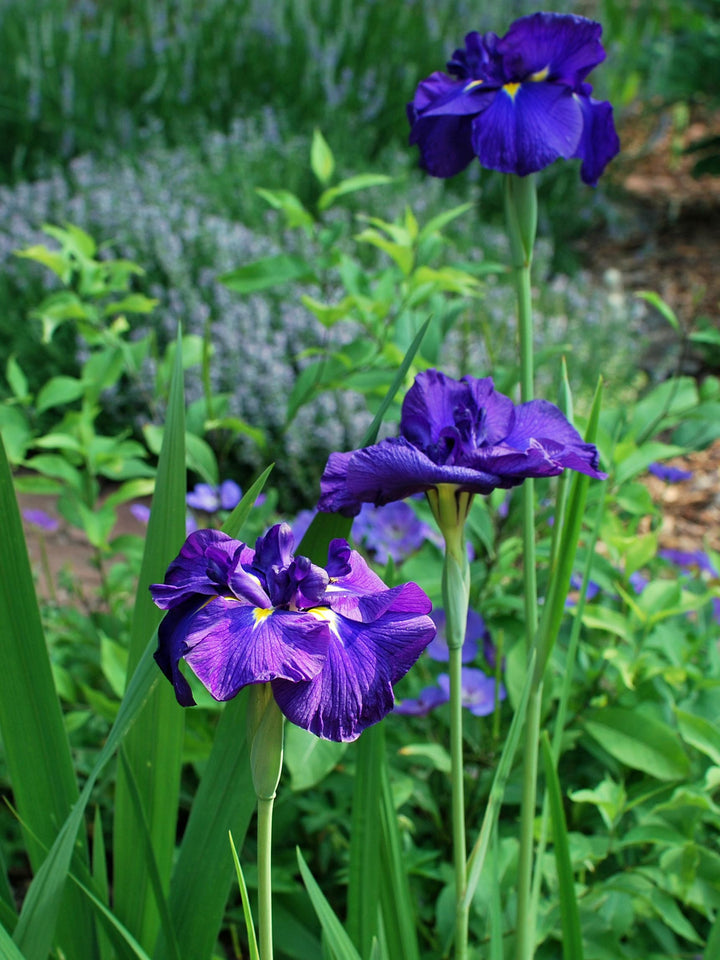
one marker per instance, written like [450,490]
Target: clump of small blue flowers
[392,532]
[517,102]
[209,499]
[332,641]
[479,694]
[462,434]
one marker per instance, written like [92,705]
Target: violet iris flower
[331,641]
[478,695]
[475,632]
[669,474]
[42,519]
[211,499]
[461,433]
[394,531]
[517,102]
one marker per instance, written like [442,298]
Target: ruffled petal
[172,646]
[230,644]
[567,46]
[528,128]
[354,688]
[188,573]
[391,470]
[599,142]
[547,425]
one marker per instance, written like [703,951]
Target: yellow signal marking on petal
[325,613]
[260,614]
[511,89]
[539,75]
[472,85]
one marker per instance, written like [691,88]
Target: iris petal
[599,142]
[230,644]
[567,45]
[354,688]
[528,131]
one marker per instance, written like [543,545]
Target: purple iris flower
[393,531]
[478,695]
[332,641]
[461,433]
[669,474]
[517,102]
[209,499]
[475,633]
[39,518]
[688,559]
[593,589]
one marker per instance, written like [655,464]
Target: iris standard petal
[229,644]
[567,46]
[527,127]
[545,423]
[188,572]
[354,688]
[599,142]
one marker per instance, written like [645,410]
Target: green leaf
[360,182]
[268,272]
[16,433]
[631,460]
[295,213]
[247,911]
[322,161]
[403,255]
[35,744]
[569,914]
[16,378]
[699,733]
[639,741]
[434,753]
[666,312]
[439,222]
[363,896]
[340,944]
[154,746]
[132,303]
[309,759]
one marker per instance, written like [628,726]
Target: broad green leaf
[341,946]
[322,162]
[203,873]
[360,182]
[295,213]
[699,733]
[15,432]
[639,741]
[365,841]
[569,915]
[268,272]
[52,259]
[438,223]
[403,255]
[433,753]
[309,759]
[132,303]
[631,460]
[35,745]
[154,747]
[598,617]
[16,379]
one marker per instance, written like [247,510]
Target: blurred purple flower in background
[478,695]
[390,532]
[517,102]
[209,499]
[638,581]
[461,433]
[141,512]
[475,632]
[669,474]
[301,523]
[39,518]
[688,559]
[593,589]
[331,641]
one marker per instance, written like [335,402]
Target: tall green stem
[450,507]
[265,735]
[521,217]
[264,837]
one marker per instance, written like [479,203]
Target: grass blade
[42,900]
[35,744]
[340,944]
[202,877]
[154,746]
[569,915]
[100,879]
[247,911]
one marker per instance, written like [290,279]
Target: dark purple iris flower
[461,433]
[517,102]
[669,474]
[209,499]
[331,641]
[475,633]
[478,695]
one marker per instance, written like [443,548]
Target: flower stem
[450,507]
[264,836]
[521,217]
